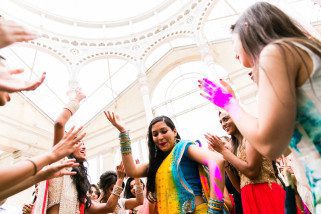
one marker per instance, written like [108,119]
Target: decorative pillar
[73,82]
[215,71]
[144,89]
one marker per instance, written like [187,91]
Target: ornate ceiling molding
[76,52]
[94,24]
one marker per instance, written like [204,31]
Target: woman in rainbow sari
[175,181]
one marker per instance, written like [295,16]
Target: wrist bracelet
[72,106]
[125,145]
[151,197]
[117,190]
[35,168]
[214,206]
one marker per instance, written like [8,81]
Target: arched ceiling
[105,45]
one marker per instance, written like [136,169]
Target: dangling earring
[155,152]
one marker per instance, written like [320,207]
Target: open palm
[9,83]
[115,120]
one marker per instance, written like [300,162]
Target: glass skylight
[101,80]
[95,19]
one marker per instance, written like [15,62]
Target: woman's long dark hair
[81,181]
[127,192]
[97,191]
[156,156]
[106,180]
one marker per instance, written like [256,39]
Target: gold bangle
[117,190]
[35,168]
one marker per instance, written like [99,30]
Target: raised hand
[11,32]
[57,170]
[227,87]
[120,171]
[68,143]
[215,143]
[115,120]
[79,95]
[215,93]
[9,83]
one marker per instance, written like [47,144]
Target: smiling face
[227,124]
[80,153]
[163,136]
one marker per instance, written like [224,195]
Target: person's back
[306,138]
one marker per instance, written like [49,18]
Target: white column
[144,89]
[215,71]
[73,82]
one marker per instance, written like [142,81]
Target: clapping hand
[215,143]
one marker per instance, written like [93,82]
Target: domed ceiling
[104,46]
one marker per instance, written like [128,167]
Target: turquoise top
[306,139]
[191,173]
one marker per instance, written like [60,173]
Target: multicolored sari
[174,195]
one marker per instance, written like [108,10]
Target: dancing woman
[173,179]
[286,63]
[260,192]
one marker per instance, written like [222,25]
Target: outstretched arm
[131,203]
[215,164]
[52,171]
[132,169]
[67,112]
[112,201]
[10,83]
[11,32]
[250,168]
[14,175]
[276,103]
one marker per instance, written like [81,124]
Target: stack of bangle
[151,197]
[215,206]
[139,189]
[117,190]
[125,147]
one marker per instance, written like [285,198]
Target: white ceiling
[102,46]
